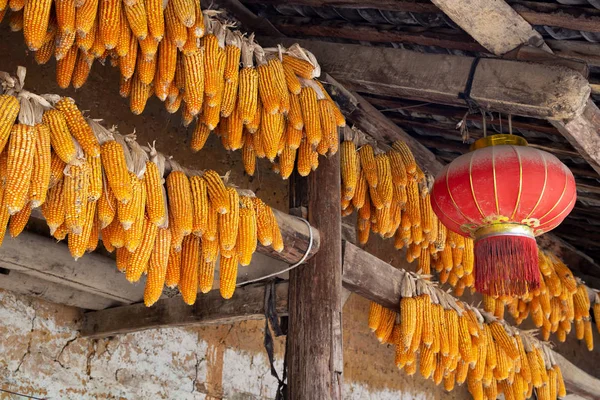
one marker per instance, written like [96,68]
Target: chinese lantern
[503,194]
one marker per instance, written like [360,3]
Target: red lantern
[503,194]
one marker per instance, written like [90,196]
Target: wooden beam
[248,19]
[582,50]
[209,309]
[371,121]
[506,86]
[315,355]
[378,281]
[581,130]
[18,282]
[444,37]
[534,13]
[43,258]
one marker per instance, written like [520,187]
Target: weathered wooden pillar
[315,357]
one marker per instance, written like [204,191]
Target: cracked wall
[42,355]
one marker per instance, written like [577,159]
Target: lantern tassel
[506,265]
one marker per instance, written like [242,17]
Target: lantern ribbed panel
[504,183]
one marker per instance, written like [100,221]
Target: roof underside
[420,26]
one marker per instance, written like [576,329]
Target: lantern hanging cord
[291,267]
[466,94]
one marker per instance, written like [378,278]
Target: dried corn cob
[190,256]
[85,17]
[217,191]
[228,275]
[109,20]
[157,267]
[195,78]
[36,16]
[79,127]
[21,151]
[300,67]
[137,18]
[141,256]
[19,220]
[180,202]
[65,15]
[76,185]
[78,242]
[310,115]
[206,275]
[53,208]
[115,166]
[40,178]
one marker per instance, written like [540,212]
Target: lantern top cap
[498,140]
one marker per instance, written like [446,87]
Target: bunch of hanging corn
[560,301]
[266,102]
[455,343]
[91,181]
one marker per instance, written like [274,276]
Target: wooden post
[315,357]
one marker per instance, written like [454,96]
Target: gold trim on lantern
[504,229]
[498,140]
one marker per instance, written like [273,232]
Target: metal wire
[291,267]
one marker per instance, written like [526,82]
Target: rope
[291,267]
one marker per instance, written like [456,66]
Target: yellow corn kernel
[206,273]
[65,67]
[408,315]
[21,152]
[133,210]
[249,154]
[310,115]
[78,127]
[95,188]
[115,167]
[107,205]
[36,16]
[180,202]
[407,157]
[19,220]
[267,89]
[300,67]
[82,69]
[167,61]
[247,232]
[279,84]
[53,208]
[195,78]
[78,242]
[271,130]
[384,331]
[157,267]
[217,192]
[85,17]
[140,257]
[375,314]
[45,51]
[248,93]
[40,178]
[65,15]
[188,281]
[155,202]
[229,223]
[137,18]
[155,17]
[200,205]
[504,340]
[76,185]
[291,80]
[173,267]
[109,21]
[228,268]
[123,256]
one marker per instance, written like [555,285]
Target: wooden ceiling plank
[583,130]
[209,309]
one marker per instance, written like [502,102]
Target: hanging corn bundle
[161,219]
[560,301]
[266,102]
[452,343]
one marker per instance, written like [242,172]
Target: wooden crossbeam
[581,130]
[209,309]
[535,13]
[506,86]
